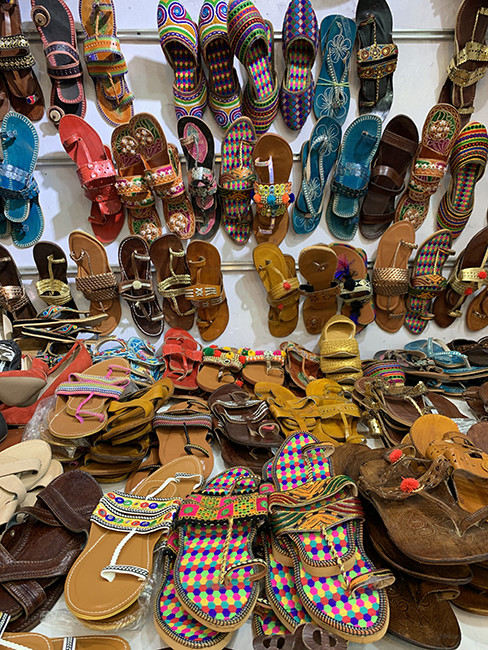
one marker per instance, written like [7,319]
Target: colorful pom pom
[482,275]
[292,197]
[409,485]
[257,198]
[217,353]
[395,455]
[286,285]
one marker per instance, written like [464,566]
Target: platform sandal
[318,266]
[56,27]
[105,62]
[52,286]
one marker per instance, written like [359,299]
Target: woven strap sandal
[278,274]
[439,133]
[105,62]
[95,279]
[426,281]
[318,265]
[178,37]
[224,92]
[468,275]
[145,365]
[251,40]
[301,365]
[339,350]
[52,286]
[206,292]
[236,181]
[198,146]
[134,193]
[173,279]
[391,275]
[182,356]
[163,173]
[13,297]
[263,365]
[56,27]
[220,366]
[136,285]
[468,65]
[97,175]
[291,412]
[300,44]
[273,163]
[16,61]
[467,164]
[376,57]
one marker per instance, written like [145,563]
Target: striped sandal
[467,164]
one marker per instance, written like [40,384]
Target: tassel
[343,269]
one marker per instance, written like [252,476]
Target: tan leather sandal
[318,265]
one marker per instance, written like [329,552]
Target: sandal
[391,275]
[351,175]
[426,280]
[339,416]
[332,94]
[16,61]
[263,365]
[278,274]
[439,133]
[104,642]
[163,173]
[469,274]
[393,159]
[145,365]
[52,286]
[291,412]
[273,163]
[105,62]
[132,188]
[18,187]
[224,92]
[173,277]
[236,182]
[96,174]
[300,43]
[56,27]
[178,37]
[339,350]
[95,279]
[376,57]
[467,164]
[13,297]
[468,65]
[220,365]
[136,287]
[318,266]
[206,292]
[252,41]
[198,146]
[182,356]
[318,157]
[301,365]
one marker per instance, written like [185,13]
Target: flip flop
[318,266]
[198,146]
[236,182]
[95,279]
[96,174]
[351,175]
[391,275]
[18,187]
[318,157]
[105,62]
[56,27]
[332,94]
[113,568]
[426,280]
[52,286]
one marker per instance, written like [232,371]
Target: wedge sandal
[318,266]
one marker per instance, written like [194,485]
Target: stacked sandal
[339,350]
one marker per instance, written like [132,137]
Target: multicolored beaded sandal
[439,133]
[178,36]
[105,62]
[163,173]
[134,193]
[198,146]
[263,365]
[224,92]
[251,40]
[300,44]
[220,366]
[216,573]
[467,164]
[145,365]
[236,180]
[426,280]
[273,163]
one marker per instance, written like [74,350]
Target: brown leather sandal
[136,285]
[13,297]
[318,265]
[301,365]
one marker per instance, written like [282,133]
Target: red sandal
[182,355]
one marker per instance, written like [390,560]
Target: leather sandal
[96,174]
[52,286]
[220,366]
[136,285]
[173,279]
[206,292]
[477,312]
[339,350]
[16,63]
[56,27]
[13,297]
[397,147]
[318,266]
[301,365]
[95,279]
[306,636]
[182,356]
[292,413]
[263,365]
[391,275]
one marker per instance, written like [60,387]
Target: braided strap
[22,59]
[390,281]
[13,298]
[102,286]
[377,61]
[205,508]
[427,286]
[287,289]
[173,418]
[134,193]
[205,295]
[53,291]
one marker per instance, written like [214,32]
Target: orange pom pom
[286,285]
[482,275]
[468,291]
[285,198]
[409,485]
[257,198]
[395,455]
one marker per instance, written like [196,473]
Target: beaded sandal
[52,286]
[220,366]
[263,365]
[145,364]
